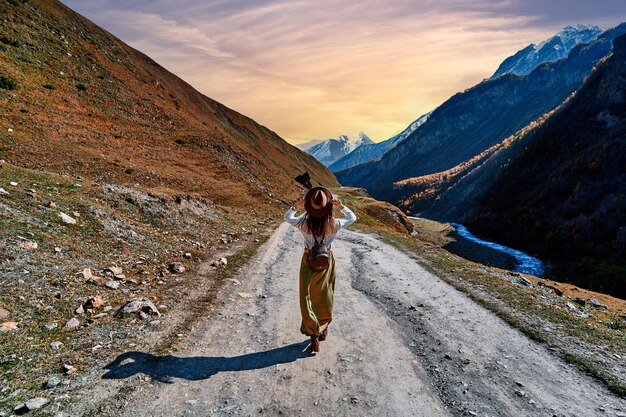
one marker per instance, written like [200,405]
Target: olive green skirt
[316,296]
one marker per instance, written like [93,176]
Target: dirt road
[403,343]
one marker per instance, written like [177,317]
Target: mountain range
[331,150]
[77,100]
[471,122]
[550,50]
[373,151]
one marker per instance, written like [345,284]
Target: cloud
[317,69]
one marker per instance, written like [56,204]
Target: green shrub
[7,83]
[81,86]
[50,86]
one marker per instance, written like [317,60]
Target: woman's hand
[337,203]
[299,204]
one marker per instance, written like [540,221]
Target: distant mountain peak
[552,49]
[331,150]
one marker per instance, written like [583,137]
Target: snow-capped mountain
[375,151]
[331,150]
[552,49]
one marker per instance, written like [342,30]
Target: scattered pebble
[72,323]
[67,219]
[28,245]
[51,326]
[113,285]
[53,381]
[56,345]
[8,326]
[177,268]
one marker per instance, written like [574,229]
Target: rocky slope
[331,150]
[553,49]
[473,121]
[374,151]
[80,101]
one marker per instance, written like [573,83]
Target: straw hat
[318,202]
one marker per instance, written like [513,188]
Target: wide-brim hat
[318,202]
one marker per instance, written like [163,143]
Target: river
[524,262]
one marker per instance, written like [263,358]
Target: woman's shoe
[315,344]
[324,335]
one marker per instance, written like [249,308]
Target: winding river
[525,263]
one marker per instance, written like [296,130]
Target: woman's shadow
[165,368]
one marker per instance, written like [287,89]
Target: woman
[318,225]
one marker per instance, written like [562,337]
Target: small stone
[93,302]
[67,219]
[57,249]
[245,295]
[36,403]
[520,393]
[76,214]
[10,130]
[99,316]
[52,205]
[155,322]
[69,369]
[188,255]
[115,270]
[8,326]
[113,285]
[53,381]
[28,245]
[80,310]
[13,184]
[571,307]
[51,326]
[4,314]
[234,281]
[72,323]
[140,305]
[596,304]
[177,268]
[56,345]
[4,192]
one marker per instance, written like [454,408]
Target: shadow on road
[165,368]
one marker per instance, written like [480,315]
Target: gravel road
[402,343]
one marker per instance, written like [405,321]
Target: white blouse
[309,241]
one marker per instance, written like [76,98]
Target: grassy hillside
[80,101]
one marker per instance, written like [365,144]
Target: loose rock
[140,305]
[53,381]
[28,245]
[177,268]
[4,314]
[93,302]
[67,219]
[8,326]
[56,345]
[596,304]
[113,285]
[69,369]
[35,403]
[72,323]
[115,270]
[4,192]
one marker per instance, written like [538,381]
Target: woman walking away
[317,268]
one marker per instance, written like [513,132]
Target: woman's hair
[319,226]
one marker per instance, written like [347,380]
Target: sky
[318,69]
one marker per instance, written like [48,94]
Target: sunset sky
[317,69]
